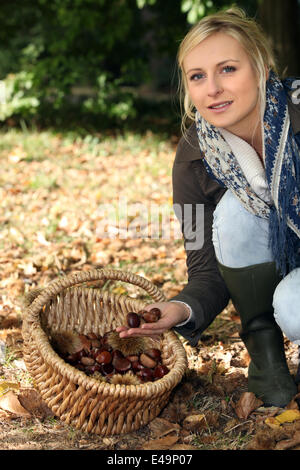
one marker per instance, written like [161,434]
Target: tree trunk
[280,21]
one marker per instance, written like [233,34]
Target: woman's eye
[196,76]
[229,68]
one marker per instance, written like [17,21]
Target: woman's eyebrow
[220,63]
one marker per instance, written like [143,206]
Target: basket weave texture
[71,303]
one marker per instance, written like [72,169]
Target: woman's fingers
[147,329]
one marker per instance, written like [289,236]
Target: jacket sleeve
[205,292]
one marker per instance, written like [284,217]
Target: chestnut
[89,370]
[103,357]
[147,361]
[132,358]
[136,365]
[117,353]
[87,361]
[121,364]
[154,353]
[72,358]
[160,371]
[94,352]
[133,320]
[141,312]
[152,315]
[107,369]
[145,375]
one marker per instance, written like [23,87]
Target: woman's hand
[171,314]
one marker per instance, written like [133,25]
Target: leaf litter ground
[53,188]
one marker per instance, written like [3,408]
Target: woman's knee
[239,237]
[286,303]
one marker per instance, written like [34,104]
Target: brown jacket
[205,291]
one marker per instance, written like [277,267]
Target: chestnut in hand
[133,320]
[152,316]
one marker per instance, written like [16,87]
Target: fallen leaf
[161,427]
[288,416]
[33,403]
[194,422]
[246,404]
[7,386]
[289,443]
[161,444]
[272,422]
[10,402]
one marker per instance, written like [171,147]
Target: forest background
[112,63]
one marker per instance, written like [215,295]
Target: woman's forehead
[214,50]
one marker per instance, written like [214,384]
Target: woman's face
[222,84]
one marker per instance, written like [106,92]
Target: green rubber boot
[251,289]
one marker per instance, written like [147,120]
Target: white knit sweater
[250,164]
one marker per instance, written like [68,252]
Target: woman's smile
[220,107]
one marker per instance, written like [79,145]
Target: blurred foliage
[83,60]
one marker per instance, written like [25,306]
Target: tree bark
[280,21]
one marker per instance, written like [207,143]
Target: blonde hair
[246,31]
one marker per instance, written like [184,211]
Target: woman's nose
[214,86]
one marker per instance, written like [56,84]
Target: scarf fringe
[284,242]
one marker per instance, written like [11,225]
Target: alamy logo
[296,94]
[123,220]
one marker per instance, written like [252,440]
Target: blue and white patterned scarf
[282,165]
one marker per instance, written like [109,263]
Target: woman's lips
[221,108]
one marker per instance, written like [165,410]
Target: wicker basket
[72,303]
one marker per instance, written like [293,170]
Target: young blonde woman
[240,159]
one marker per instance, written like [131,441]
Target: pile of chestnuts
[95,355]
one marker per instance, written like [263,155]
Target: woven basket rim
[55,286]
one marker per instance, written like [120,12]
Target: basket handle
[42,296]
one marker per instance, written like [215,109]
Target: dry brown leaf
[263,440]
[161,427]
[293,405]
[161,444]
[272,422]
[10,402]
[289,443]
[32,402]
[194,422]
[246,404]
